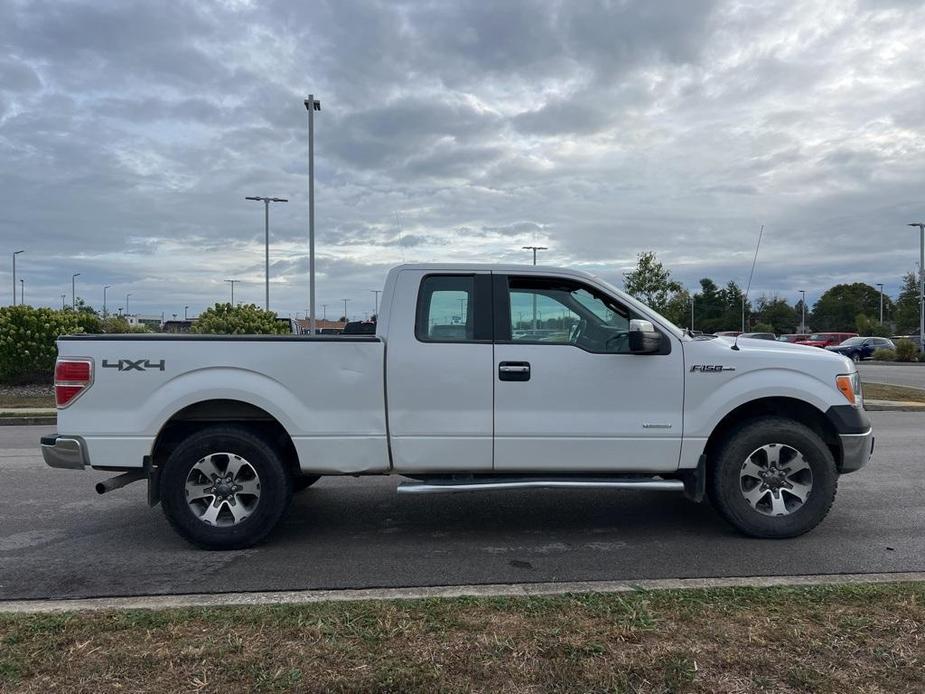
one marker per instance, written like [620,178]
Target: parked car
[727,333]
[224,428]
[358,327]
[826,339]
[795,337]
[759,336]
[858,348]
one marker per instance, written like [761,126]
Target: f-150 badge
[134,365]
[711,368]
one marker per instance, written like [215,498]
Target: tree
[678,308]
[730,298]
[225,319]
[708,308]
[777,313]
[907,306]
[868,327]
[27,342]
[838,307]
[650,282]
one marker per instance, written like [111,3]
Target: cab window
[555,311]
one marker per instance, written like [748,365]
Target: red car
[796,337]
[826,339]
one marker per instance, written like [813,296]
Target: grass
[16,402]
[885,391]
[821,639]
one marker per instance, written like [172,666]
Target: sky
[131,132]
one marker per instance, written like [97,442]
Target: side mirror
[644,338]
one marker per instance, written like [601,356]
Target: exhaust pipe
[119,481]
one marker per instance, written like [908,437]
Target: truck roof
[497,267]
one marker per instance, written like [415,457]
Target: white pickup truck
[479,377]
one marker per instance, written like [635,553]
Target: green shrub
[906,351]
[884,355]
[225,319]
[27,342]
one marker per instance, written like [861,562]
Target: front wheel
[774,478]
[224,488]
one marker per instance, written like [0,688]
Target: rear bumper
[66,452]
[856,450]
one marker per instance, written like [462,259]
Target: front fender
[707,403]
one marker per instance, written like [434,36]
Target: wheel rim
[776,480]
[222,489]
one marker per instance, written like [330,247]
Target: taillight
[72,377]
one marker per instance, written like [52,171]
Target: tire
[856,357]
[765,506]
[243,508]
[303,482]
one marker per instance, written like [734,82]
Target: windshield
[819,337]
[854,341]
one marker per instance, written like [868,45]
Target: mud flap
[695,481]
[154,482]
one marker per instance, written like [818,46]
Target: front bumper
[67,452]
[856,450]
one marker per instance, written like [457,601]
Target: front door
[569,397]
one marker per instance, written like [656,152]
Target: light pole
[880,284]
[345,311]
[15,253]
[108,286]
[73,290]
[324,312]
[266,230]
[921,226]
[63,296]
[311,104]
[126,304]
[534,249]
[22,292]
[802,311]
[377,292]
[232,283]
[186,313]
[692,313]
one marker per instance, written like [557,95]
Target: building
[152,322]
[322,327]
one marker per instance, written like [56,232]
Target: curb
[28,421]
[302,597]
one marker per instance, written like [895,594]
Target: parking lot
[59,539]
[896,374]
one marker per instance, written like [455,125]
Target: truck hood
[753,355]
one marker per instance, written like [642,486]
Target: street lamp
[108,286]
[126,304]
[324,312]
[266,229]
[186,313]
[692,313]
[377,292]
[22,292]
[63,296]
[73,292]
[534,249]
[345,311]
[921,226]
[880,284]
[803,311]
[232,283]
[311,105]
[15,253]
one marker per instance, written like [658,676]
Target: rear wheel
[224,488]
[774,477]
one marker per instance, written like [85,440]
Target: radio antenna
[735,344]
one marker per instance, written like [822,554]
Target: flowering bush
[225,319]
[27,342]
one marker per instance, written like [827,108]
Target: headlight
[849,385]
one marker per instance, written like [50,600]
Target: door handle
[514,371]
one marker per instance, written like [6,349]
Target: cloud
[130,133]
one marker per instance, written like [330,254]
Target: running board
[488,484]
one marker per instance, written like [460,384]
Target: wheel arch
[778,406]
[203,413]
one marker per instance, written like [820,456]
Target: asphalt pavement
[895,374]
[59,539]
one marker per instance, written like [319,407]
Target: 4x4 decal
[134,365]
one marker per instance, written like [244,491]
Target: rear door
[439,372]
[569,397]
